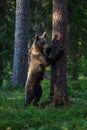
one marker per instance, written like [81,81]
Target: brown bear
[39,59]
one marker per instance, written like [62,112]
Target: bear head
[40,43]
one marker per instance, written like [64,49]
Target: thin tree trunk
[75,68]
[58,75]
[2,23]
[1,66]
[20,63]
[38,25]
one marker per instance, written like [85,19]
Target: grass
[13,115]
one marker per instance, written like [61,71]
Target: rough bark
[20,63]
[58,74]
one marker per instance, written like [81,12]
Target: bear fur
[39,59]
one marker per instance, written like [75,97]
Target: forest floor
[13,115]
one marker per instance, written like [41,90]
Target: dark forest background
[41,20]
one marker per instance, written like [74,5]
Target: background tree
[2,24]
[77,38]
[7,8]
[20,63]
[59,32]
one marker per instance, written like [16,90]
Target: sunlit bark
[59,33]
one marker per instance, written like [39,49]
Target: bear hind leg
[29,96]
[38,94]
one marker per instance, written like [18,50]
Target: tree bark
[20,63]
[58,73]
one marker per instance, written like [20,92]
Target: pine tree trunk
[20,63]
[58,75]
[75,68]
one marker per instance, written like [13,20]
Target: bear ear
[44,34]
[36,38]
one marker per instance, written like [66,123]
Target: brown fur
[38,62]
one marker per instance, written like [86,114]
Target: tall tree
[59,27]
[20,63]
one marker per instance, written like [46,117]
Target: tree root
[45,103]
[61,101]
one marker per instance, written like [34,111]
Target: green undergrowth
[13,115]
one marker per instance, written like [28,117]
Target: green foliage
[13,115]
[7,9]
[80,66]
[77,48]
